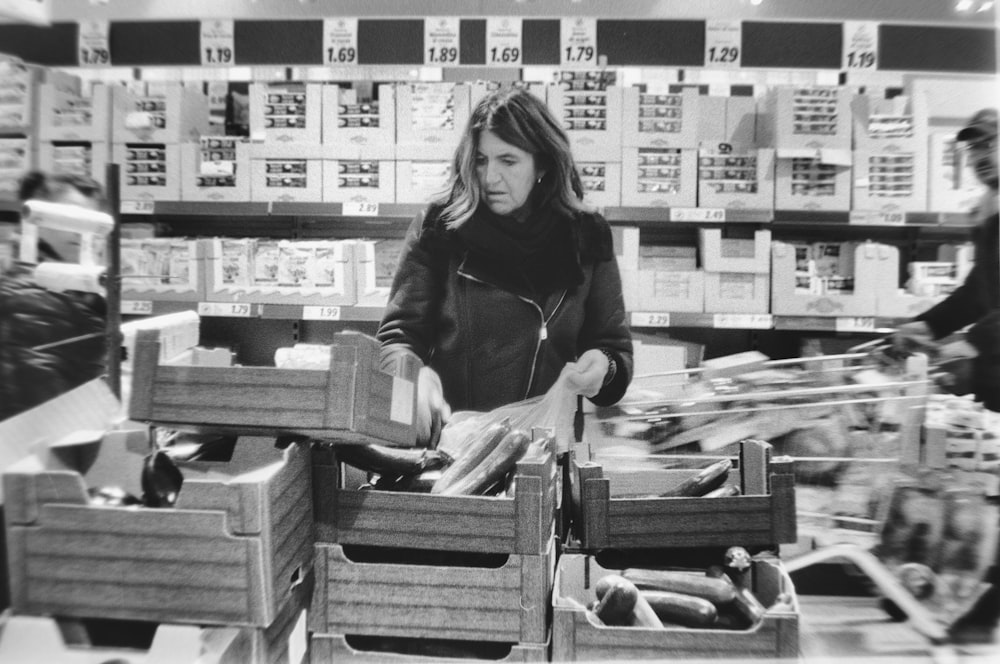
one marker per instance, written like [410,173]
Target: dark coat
[32,317]
[489,345]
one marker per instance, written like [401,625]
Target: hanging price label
[441,45]
[503,42]
[137,207]
[340,41]
[873,218]
[578,42]
[743,321]
[649,319]
[137,307]
[93,44]
[217,43]
[225,309]
[723,40]
[359,209]
[697,214]
[317,312]
[855,324]
[860,46]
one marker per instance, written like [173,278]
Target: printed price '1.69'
[345,55]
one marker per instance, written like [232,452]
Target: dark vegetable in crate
[472,455]
[680,608]
[708,479]
[493,467]
[390,461]
[717,591]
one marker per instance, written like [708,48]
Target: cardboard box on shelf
[217,168]
[592,118]
[670,291]
[812,117]
[72,115]
[375,264]
[951,180]
[163,268]
[286,113]
[737,292]
[741,179]
[729,121]
[805,180]
[906,300]
[659,177]
[722,253]
[75,158]
[167,113]
[149,171]
[17,156]
[359,180]
[358,126]
[286,180]
[663,120]
[430,119]
[890,182]
[884,124]
[421,181]
[791,295]
[626,243]
[602,182]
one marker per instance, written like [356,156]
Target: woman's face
[506,176]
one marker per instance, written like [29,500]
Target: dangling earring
[539,180]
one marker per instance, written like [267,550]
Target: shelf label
[649,319]
[340,41]
[94,43]
[137,207]
[137,307]
[503,42]
[855,324]
[320,312]
[697,214]
[860,46]
[441,41]
[873,218]
[225,309]
[743,321]
[359,209]
[722,44]
[578,42]
[218,43]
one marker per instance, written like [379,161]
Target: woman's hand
[432,409]
[914,336]
[586,375]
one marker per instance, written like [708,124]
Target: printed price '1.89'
[442,55]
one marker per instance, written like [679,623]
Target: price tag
[360,209]
[855,324]
[723,40]
[318,312]
[225,309]
[94,44]
[137,207]
[860,46]
[578,42]
[217,43]
[340,41]
[874,218]
[697,214]
[649,319]
[441,41]
[743,321]
[137,307]
[503,42]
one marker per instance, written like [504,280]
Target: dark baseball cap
[982,125]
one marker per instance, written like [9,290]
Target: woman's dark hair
[523,120]
[43,186]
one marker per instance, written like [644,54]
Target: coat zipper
[543,331]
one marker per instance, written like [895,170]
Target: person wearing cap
[973,365]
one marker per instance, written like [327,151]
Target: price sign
[217,43]
[137,307]
[874,218]
[225,309]
[860,46]
[359,209]
[441,45]
[319,312]
[578,42]
[93,44]
[503,42]
[743,321]
[649,319]
[723,40]
[855,324]
[340,41]
[697,214]
[136,207]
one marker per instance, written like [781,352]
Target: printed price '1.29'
[724,54]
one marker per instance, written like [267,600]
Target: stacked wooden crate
[620,520]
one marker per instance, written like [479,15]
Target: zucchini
[681,609]
[617,604]
[714,590]
[708,479]
[724,491]
[389,461]
[472,455]
[748,606]
[492,468]
[642,614]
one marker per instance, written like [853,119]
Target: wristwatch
[612,367]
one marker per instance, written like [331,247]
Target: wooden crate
[575,638]
[488,524]
[509,603]
[329,648]
[763,516]
[228,553]
[353,401]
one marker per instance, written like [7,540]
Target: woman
[50,342]
[509,279]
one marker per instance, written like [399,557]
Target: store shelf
[640,216]
[134,307]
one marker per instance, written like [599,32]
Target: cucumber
[472,455]
[708,479]
[716,591]
[492,468]
[748,606]
[389,461]
[617,604]
[724,491]
[643,614]
[681,609]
